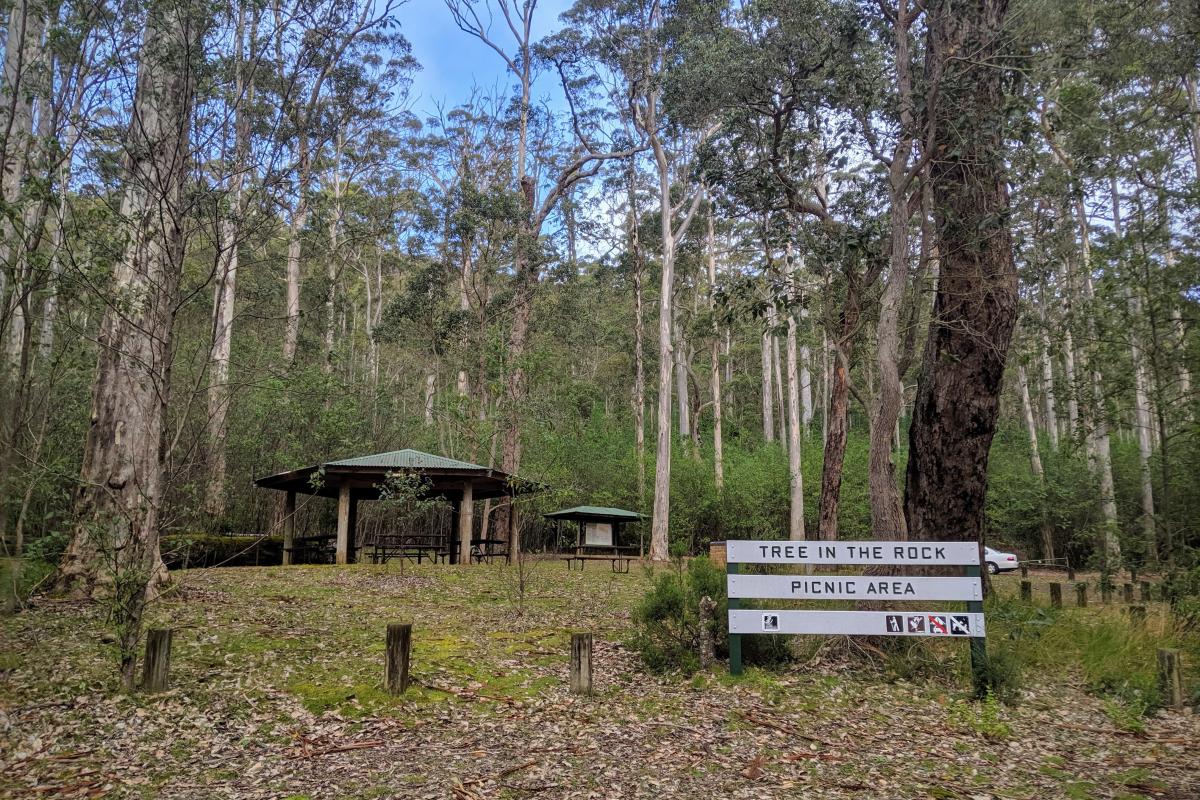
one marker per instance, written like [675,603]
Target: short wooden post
[1027,591]
[708,613]
[1127,592]
[1070,571]
[1056,595]
[399,647]
[1133,574]
[1145,591]
[1106,593]
[1137,616]
[581,663]
[1024,570]
[157,665]
[1081,595]
[1170,679]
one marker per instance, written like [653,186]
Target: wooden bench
[619,562]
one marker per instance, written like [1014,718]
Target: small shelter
[599,527]
[365,477]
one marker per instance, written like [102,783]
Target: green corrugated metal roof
[406,459]
[594,511]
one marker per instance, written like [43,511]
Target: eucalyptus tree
[776,82]
[975,308]
[561,168]
[115,542]
[314,43]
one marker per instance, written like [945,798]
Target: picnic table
[315,549]
[487,549]
[418,546]
[618,556]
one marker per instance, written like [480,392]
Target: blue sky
[452,62]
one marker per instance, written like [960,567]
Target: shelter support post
[466,522]
[343,525]
[289,528]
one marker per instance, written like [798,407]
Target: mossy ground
[278,692]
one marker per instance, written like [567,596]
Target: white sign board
[817,552]
[949,624]
[598,534]
[853,587]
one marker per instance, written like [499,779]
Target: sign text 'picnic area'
[874,588]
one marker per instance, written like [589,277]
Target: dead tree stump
[708,613]
[581,663]
[1170,678]
[156,666]
[399,647]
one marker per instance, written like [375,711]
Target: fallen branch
[343,748]
[505,773]
[763,722]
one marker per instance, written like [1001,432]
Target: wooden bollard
[1105,593]
[1081,595]
[1056,595]
[1145,591]
[1137,616]
[156,667]
[1024,570]
[1027,591]
[1133,574]
[399,648]
[581,663]
[1127,592]
[1070,572]
[1170,679]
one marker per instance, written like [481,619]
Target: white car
[999,562]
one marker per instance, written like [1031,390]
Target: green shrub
[48,548]
[667,620]
[181,551]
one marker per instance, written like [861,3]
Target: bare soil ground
[277,693]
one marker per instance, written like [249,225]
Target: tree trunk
[975,308]
[838,426]
[795,475]
[768,401]
[18,89]
[115,542]
[659,535]
[715,358]
[1049,407]
[681,381]
[777,378]
[1141,403]
[224,295]
[887,512]
[430,393]
[291,334]
[1035,460]
[639,380]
